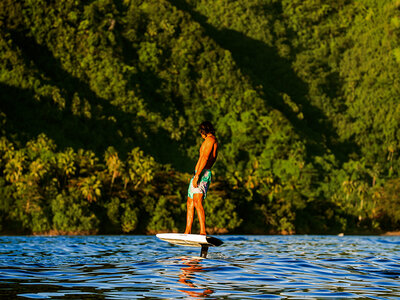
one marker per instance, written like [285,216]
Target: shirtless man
[200,182]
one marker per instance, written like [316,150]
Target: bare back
[210,141]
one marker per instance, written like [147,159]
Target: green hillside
[101,102]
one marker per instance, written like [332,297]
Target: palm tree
[90,188]
[15,166]
[114,164]
[140,167]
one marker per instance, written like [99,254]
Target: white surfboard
[194,240]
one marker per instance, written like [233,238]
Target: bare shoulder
[211,140]
[208,144]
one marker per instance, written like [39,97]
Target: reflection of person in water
[193,266]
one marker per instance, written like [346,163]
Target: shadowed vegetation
[100,103]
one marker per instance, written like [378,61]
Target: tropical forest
[101,101]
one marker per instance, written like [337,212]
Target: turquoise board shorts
[202,184]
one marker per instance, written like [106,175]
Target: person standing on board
[201,180]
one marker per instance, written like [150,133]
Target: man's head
[206,128]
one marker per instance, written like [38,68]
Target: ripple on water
[244,267]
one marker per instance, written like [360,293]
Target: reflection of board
[194,240]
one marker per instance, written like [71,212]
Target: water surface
[244,267]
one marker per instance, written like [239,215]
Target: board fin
[214,241]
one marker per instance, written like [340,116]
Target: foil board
[191,240]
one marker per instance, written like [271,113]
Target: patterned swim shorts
[202,184]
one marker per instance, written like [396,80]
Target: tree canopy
[101,102]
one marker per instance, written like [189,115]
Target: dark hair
[206,127]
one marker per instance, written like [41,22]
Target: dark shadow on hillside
[108,125]
[274,74]
[159,98]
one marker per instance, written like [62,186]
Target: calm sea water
[245,267]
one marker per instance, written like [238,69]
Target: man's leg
[189,215]
[198,203]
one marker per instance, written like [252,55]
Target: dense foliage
[101,99]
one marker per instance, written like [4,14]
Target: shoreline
[87,233]
[391,233]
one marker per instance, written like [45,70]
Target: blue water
[244,267]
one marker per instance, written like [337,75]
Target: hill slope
[101,101]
